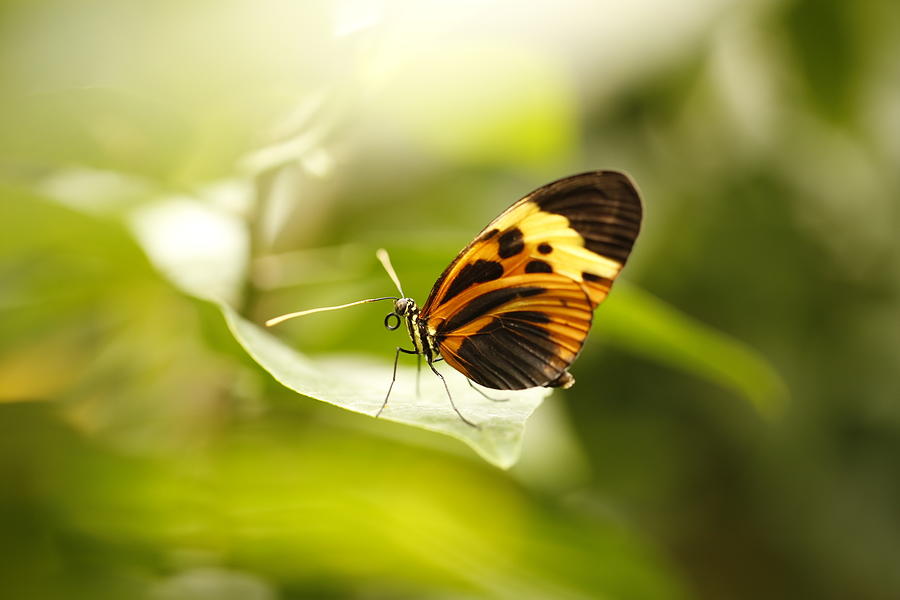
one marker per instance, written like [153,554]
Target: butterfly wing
[513,309]
[516,333]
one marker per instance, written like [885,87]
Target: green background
[735,429]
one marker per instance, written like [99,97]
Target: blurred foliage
[144,453]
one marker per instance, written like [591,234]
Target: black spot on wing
[485,303]
[545,248]
[604,208]
[480,271]
[596,279]
[511,243]
[538,266]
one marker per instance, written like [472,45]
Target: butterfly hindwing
[517,333]
[514,308]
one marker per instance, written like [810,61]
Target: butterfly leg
[459,414]
[393,378]
[418,372]
[480,391]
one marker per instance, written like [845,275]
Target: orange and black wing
[513,309]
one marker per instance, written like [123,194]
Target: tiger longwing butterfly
[513,309]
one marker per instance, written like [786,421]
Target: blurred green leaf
[199,246]
[360,386]
[284,503]
[636,320]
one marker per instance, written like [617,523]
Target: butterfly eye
[392,325]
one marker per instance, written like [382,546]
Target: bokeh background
[144,455]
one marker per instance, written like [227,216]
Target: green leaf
[360,385]
[201,248]
[642,323]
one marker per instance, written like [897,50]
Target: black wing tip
[625,185]
[621,183]
[614,197]
[603,175]
[608,180]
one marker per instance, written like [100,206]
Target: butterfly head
[403,307]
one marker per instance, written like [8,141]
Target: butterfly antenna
[282,318]
[382,255]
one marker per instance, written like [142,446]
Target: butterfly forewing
[514,308]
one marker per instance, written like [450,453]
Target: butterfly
[513,309]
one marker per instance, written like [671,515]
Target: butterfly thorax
[423,341]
